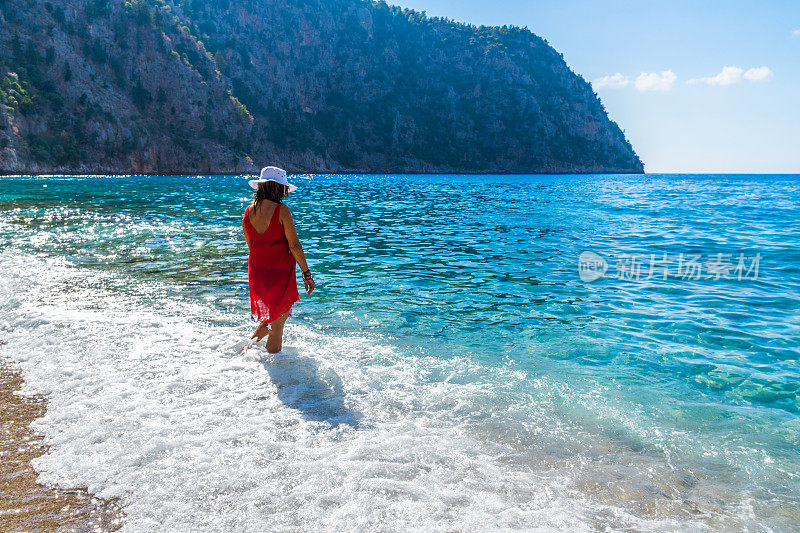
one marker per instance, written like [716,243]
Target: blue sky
[682,110]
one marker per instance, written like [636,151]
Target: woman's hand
[309,282]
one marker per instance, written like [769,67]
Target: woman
[274,251]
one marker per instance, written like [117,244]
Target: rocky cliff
[191,86]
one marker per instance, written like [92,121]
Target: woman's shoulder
[284,211]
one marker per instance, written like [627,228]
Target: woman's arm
[296,248]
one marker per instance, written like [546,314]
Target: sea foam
[150,402]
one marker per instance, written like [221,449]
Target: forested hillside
[313,85]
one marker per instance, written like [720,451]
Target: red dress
[270,270]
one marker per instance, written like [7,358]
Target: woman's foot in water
[261,331]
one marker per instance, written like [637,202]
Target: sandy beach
[26,505]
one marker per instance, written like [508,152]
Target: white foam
[154,406]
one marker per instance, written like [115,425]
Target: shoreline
[27,505]
[4,174]
[326,173]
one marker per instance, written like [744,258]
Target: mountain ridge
[213,86]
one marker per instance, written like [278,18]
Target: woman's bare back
[260,218]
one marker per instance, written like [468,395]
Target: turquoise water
[658,402]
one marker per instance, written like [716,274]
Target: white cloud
[654,81]
[758,74]
[727,76]
[664,81]
[796,33]
[615,81]
[731,75]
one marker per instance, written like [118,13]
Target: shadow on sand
[317,393]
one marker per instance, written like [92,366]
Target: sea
[481,353]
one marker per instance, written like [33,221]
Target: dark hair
[270,190]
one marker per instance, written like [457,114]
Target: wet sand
[25,505]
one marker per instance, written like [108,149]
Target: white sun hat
[272,174]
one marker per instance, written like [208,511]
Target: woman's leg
[261,331]
[275,339]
